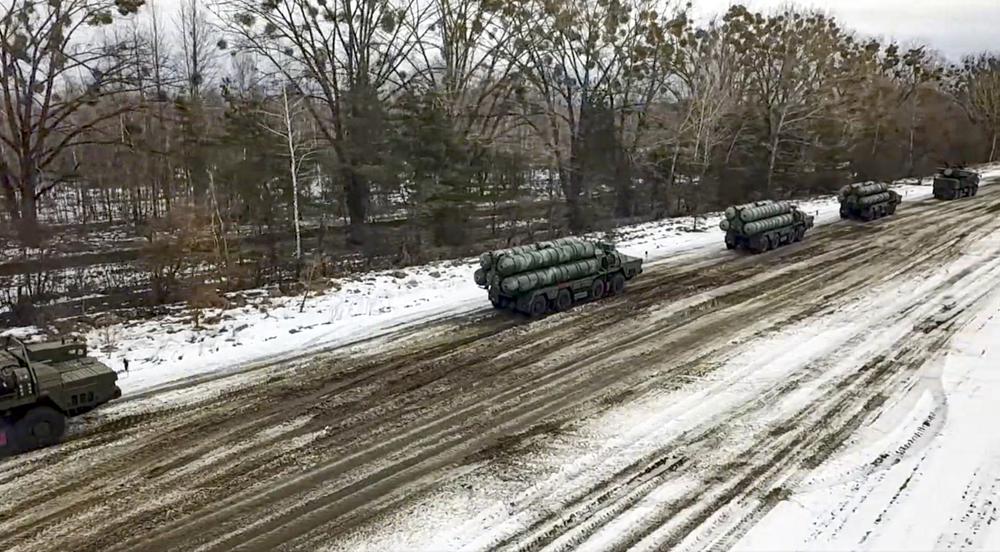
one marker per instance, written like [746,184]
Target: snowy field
[171,348]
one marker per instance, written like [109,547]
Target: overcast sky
[953,27]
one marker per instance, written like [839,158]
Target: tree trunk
[773,161]
[771,165]
[10,197]
[357,206]
[28,223]
[571,180]
[672,177]
[993,148]
[911,161]
[625,197]
[294,169]
[878,128]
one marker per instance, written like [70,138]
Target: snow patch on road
[940,495]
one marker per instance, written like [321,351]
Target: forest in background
[153,157]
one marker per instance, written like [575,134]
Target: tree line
[249,134]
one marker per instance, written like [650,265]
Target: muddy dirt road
[753,370]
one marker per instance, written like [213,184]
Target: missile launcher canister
[764,225]
[551,276]
[867,201]
[487,260]
[955,182]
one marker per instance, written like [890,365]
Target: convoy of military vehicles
[551,276]
[43,384]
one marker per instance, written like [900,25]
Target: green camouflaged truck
[43,384]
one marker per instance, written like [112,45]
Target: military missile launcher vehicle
[43,384]
[764,225]
[955,182]
[867,201]
[551,276]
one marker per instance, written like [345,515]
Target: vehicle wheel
[730,242]
[892,209]
[798,235]
[867,215]
[975,191]
[564,300]
[539,306]
[617,284]
[758,244]
[496,304]
[40,427]
[843,213]
[597,289]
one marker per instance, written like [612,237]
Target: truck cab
[43,384]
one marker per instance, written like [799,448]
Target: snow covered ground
[170,348]
[943,455]
[939,489]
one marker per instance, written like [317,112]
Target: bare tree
[981,84]
[794,63]
[709,90]
[348,58]
[199,45]
[54,87]
[289,129]
[579,56]
[466,60]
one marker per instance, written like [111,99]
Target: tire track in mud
[310,507]
[223,417]
[518,392]
[915,349]
[221,422]
[637,473]
[796,441]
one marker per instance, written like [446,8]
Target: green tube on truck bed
[770,223]
[548,276]
[762,212]
[488,259]
[563,253]
[875,198]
